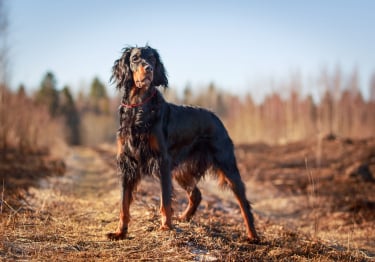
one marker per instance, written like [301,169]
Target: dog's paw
[253,240]
[116,235]
[184,218]
[166,227]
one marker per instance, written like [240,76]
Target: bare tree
[3,44]
[3,73]
[372,88]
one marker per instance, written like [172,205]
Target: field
[313,201]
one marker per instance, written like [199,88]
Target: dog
[168,141]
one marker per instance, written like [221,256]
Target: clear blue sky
[239,45]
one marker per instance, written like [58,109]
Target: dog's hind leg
[236,185]
[229,175]
[194,197]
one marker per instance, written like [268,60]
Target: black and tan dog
[168,141]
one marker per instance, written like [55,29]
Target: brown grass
[334,202]
[66,219]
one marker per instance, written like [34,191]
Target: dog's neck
[136,94]
[138,97]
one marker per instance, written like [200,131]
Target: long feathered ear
[160,74]
[121,73]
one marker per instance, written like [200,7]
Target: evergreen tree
[21,92]
[71,115]
[98,97]
[48,94]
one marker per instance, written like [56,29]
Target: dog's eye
[135,58]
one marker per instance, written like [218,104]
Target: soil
[312,201]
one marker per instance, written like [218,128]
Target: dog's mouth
[144,82]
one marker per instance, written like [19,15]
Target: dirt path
[66,219]
[70,215]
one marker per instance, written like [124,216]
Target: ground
[312,201]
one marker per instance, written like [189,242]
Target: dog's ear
[160,74]
[121,73]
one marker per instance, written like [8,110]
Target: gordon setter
[165,140]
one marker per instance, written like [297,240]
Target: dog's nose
[148,68]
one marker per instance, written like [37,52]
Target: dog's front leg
[124,218]
[166,194]
[129,179]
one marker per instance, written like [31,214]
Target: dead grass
[21,170]
[333,202]
[66,219]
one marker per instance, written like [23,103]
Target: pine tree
[69,111]
[48,94]
[99,101]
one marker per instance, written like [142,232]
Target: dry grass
[333,202]
[66,219]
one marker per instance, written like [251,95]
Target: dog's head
[139,67]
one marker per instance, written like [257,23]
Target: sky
[241,46]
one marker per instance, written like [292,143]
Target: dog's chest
[136,131]
[139,147]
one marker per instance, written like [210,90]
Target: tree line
[340,110]
[90,117]
[53,115]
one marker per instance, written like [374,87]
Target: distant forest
[286,116]
[53,115]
